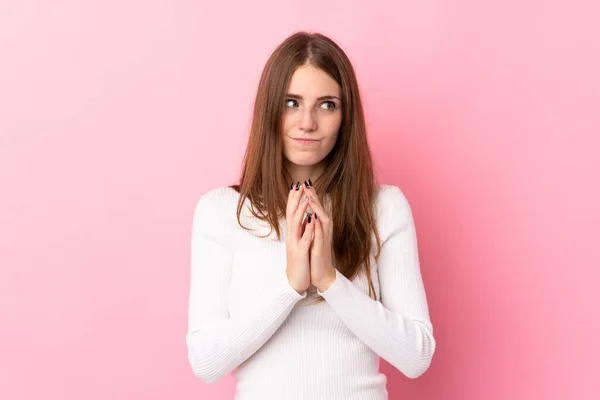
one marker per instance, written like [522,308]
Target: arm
[218,343]
[398,328]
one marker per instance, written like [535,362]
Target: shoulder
[219,194]
[390,196]
[215,212]
[216,202]
[392,210]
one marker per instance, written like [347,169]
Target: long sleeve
[218,343]
[397,327]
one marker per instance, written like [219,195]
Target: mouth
[306,141]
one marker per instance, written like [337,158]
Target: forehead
[309,81]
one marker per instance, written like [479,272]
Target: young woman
[307,272]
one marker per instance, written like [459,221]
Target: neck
[301,173]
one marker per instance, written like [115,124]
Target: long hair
[348,178]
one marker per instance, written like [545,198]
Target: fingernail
[291,187]
[306,184]
[309,219]
[315,215]
[309,181]
[297,185]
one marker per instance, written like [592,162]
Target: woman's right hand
[298,239]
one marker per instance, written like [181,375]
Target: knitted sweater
[245,318]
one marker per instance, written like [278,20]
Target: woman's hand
[298,239]
[322,271]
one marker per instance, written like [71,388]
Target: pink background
[116,116]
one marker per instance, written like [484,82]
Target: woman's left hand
[322,271]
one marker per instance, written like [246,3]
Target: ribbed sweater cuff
[336,288]
[288,292]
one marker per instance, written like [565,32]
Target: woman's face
[312,112]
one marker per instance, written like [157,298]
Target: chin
[304,161]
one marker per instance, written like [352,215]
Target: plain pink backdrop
[115,116]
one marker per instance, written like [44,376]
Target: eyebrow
[297,96]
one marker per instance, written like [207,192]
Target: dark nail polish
[315,215]
[297,185]
[291,187]
[306,184]
[309,181]
[309,219]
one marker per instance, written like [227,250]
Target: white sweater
[245,318]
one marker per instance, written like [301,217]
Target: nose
[308,122]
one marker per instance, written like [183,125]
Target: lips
[306,142]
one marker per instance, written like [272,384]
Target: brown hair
[348,178]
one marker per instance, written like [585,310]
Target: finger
[290,198]
[296,222]
[318,209]
[319,237]
[311,190]
[293,198]
[308,232]
[293,203]
[315,203]
[304,222]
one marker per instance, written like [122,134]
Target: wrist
[293,285]
[327,281]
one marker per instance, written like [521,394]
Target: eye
[291,103]
[333,106]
